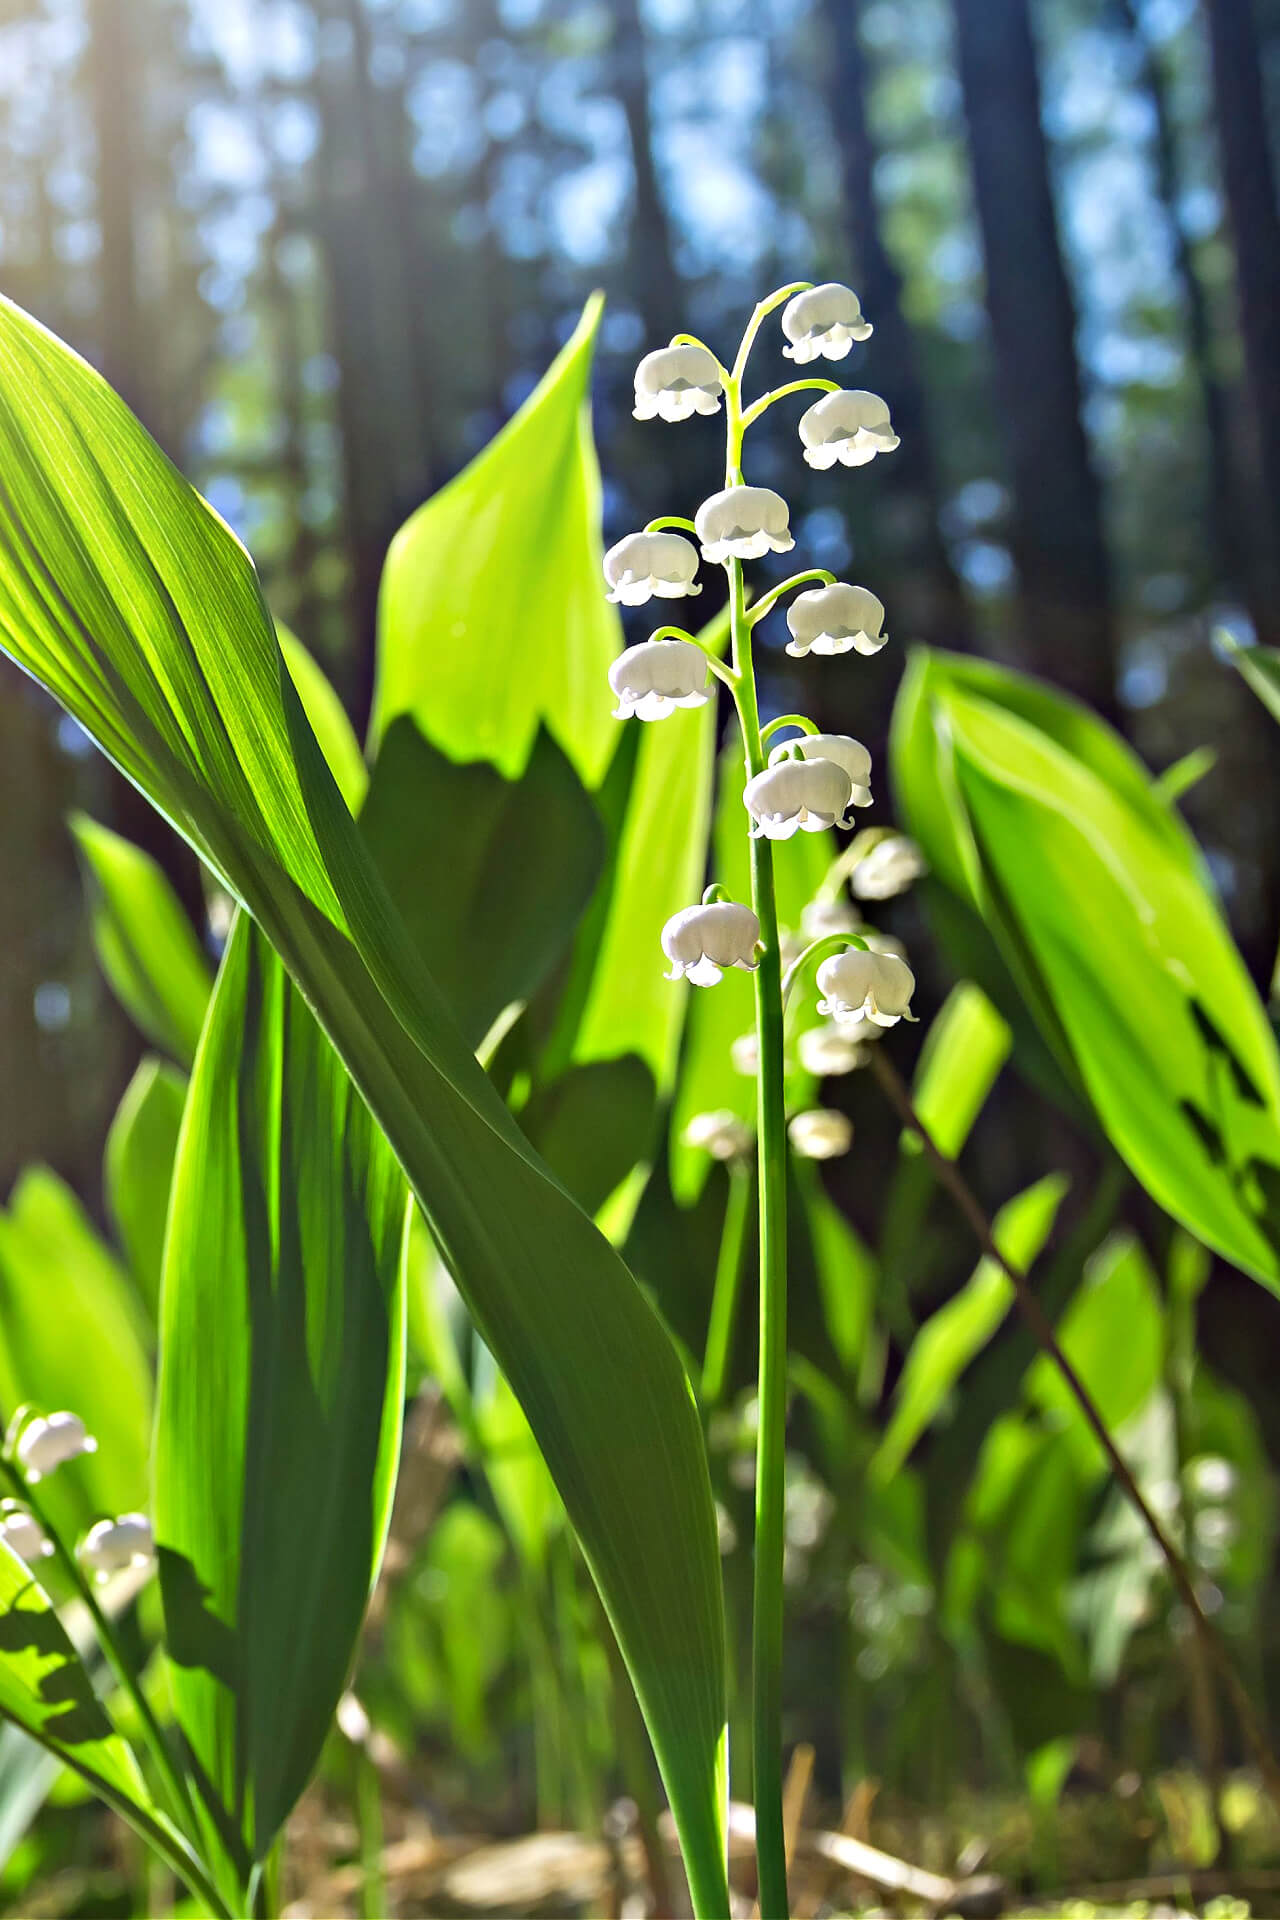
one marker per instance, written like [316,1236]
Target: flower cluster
[37,1445]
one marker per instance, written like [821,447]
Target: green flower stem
[763,404]
[727,1289]
[763,310]
[819,949]
[787,720]
[768,601]
[670,520]
[692,340]
[716,664]
[175,1786]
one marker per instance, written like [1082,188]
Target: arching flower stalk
[806,784]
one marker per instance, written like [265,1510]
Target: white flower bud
[820,1134]
[826,1051]
[852,427]
[721,1134]
[700,942]
[23,1534]
[48,1442]
[823,917]
[835,619]
[643,564]
[889,868]
[860,987]
[824,322]
[807,794]
[651,680]
[742,523]
[745,1054]
[675,382]
[1212,1477]
[112,1545]
[845,751]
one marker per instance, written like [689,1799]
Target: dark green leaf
[138,1168]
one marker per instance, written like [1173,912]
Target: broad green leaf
[845,1268]
[65,1303]
[138,1168]
[146,945]
[45,1690]
[1260,667]
[964,1050]
[1098,900]
[328,717]
[491,875]
[132,603]
[493,619]
[953,1336]
[1119,1291]
[718,1015]
[281,1391]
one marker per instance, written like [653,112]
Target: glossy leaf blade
[281,1391]
[127,597]
[138,1168]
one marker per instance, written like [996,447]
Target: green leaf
[1260,667]
[133,604]
[493,619]
[844,1267]
[491,876]
[281,1389]
[64,1304]
[328,718]
[964,1050]
[146,945]
[1097,897]
[1119,1291]
[138,1168]
[952,1337]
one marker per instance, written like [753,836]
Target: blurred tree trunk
[1249,179]
[1058,544]
[937,610]
[654,280]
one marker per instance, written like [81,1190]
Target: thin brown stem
[950,1176]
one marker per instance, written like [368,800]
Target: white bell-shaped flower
[824,322]
[51,1440]
[823,917]
[845,751]
[721,1134]
[675,382]
[112,1545]
[798,794]
[850,426]
[658,676]
[858,987]
[741,523]
[820,1134]
[643,564]
[835,619]
[23,1534]
[700,942]
[888,868]
[826,1051]
[745,1054]
[885,943]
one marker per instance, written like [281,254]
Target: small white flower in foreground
[658,676]
[858,987]
[827,1051]
[742,523]
[823,917]
[643,564]
[852,427]
[798,794]
[721,1134]
[824,322]
[23,1534]
[820,1134]
[847,753]
[835,619]
[675,382]
[112,1545]
[745,1054]
[700,942]
[49,1441]
[888,868]
[885,943]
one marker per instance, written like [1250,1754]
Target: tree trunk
[654,280]
[930,599]
[1249,180]
[1057,535]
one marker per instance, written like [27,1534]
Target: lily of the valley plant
[809,782]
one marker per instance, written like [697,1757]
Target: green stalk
[728,1287]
